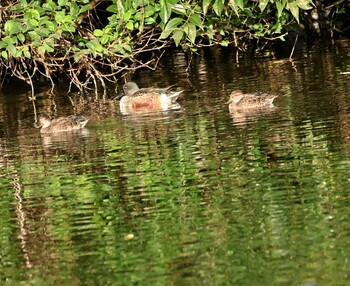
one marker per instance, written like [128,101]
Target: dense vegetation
[95,41]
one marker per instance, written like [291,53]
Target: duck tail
[80,120]
[272,99]
[83,122]
[174,96]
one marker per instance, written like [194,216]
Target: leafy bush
[93,41]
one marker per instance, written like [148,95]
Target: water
[189,196]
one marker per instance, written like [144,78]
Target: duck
[60,124]
[135,98]
[240,100]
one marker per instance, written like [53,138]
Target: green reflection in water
[196,196]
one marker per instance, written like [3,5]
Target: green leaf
[240,3]
[127,48]
[130,26]
[112,8]
[165,13]
[2,44]
[74,9]
[280,4]
[50,5]
[171,2]
[248,12]
[90,45]
[85,8]
[179,9]
[43,32]
[139,26]
[205,6]
[94,45]
[190,30]
[33,14]
[27,54]
[148,12]
[99,48]
[62,2]
[13,27]
[50,25]
[127,16]
[98,32]
[263,4]
[196,20]
[172,24]
[218,7]
[177,36]
[234,6]
[49,45]
[9,40]
[68,28]
[12,50]
[104,39]
[21,37]
[150,21]
[294,9]
[4,55]
[59,17]
[224,43]
[304,4]
[42,50]
[68,19]
[34,22]
[34,36]
[57,35]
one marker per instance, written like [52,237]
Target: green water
[190,196]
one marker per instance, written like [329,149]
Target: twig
[292,52]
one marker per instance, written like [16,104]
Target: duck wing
[256,100]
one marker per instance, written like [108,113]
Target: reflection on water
[194,195]
[71,139]
[148,110]
[242,116]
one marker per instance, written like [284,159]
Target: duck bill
[119,96]
[229,101]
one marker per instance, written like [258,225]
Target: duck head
[43,121]
[235,96]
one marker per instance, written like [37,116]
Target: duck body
[135,98]
[240,100]
[60,124]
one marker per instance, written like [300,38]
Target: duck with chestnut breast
[134,98]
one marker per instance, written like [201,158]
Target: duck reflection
[68,140]
[242,116]
[150,111]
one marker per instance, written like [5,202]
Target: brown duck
[239,100]
[60,124]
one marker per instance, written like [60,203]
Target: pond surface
[194,195]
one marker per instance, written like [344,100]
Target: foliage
[91,41]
